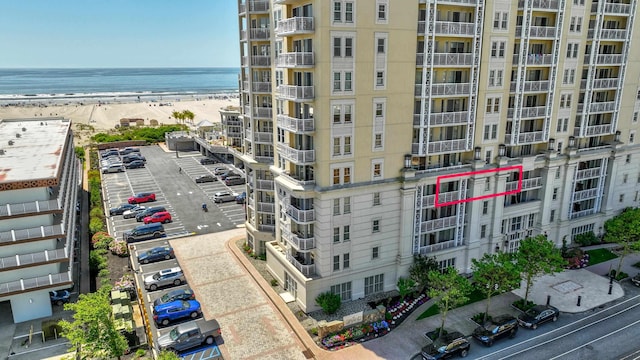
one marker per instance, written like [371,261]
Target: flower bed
[358,333]
[399,311]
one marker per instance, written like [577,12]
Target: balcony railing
[528,112]
[261,60]
[585,194]
[606,59]
[582,213]
[297,178]
[262,137]
[526,137]
[541,4]
[610,8]
[609,34]
[261,112]
[295,59]
[602,106]
[254,6]
[265,207]
[32,207]
[609,83]
[445,197]
[437,224]
[296,156]
[445,145]
[260,34]
[262,87]
[588,173]
[439,246]
[294,26]
[40,232]
[456,2]
[33,258]
[535,59]
[593,130]
[539,31]
[295,92]
[445,89]
[446,59]
[518,235]
[35,283]
[298,240]
[446,118]
[300,216]
[264,185]
[526,184]
[532,86]
[295,125]
[454,28]
[305,269]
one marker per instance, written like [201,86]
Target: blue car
[59,297]
[164,314]
[156,254]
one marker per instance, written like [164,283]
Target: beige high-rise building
[521,115]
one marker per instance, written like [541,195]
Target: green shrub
[274,282]
[329,302]
[96,225]
[314,331]
[104,273]
[479,318]
[586,239]
[140,353]
[95,198]
[103,244]
[618,277]
[96,212]
[405,286]
[99,236]
[79,150]
[93,174]
[522,306]
[119,247]
[96,261]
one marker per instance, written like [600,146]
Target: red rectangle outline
[507,168]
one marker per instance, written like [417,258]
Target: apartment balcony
[299,241]
[298,178]
[609,34]
[265,207]
[596,107]
[540,32]
[609,83]
[585,194]
[261,60]
[32,234]
[264,185]
[30,208]
[446,146]
[428,249]
[518,235]
[295,60]
[533,112]
[444,89]
[526,137]
[35,283]
[259,112]
[445,118]
[254,6]
[295,125]
[446,59]
[295,26]
[445,197]
[295,92]
[588,173]
[260,87]
[527,184]
[300,216]
[532,86]
[594,130]
[296,156]
[577,214]
[613,9]
[531,205]
[306,269]
[260,34]
[267,228]
[540,4]
[535,59]
[33,259]
[453,2]
[605,59]
[454,28]
[438,224]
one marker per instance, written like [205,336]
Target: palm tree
[178,115]
[187,114]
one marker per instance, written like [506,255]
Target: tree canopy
[450,289]
[537,256]
[624,230]
[494,274]
[419,270]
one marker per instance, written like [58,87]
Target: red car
[142,198]
[161,217]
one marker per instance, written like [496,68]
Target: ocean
[42,84]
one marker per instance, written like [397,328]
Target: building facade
[39,179]
[376,130]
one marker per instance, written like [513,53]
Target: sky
[118,33]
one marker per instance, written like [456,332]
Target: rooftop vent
[10,142]
[24,129]
[18,135]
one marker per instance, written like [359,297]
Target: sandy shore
[104,116]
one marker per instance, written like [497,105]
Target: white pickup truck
[189,335]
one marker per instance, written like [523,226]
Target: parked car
[240,199]
[120,209]
[156,254]
[173,295]
[636,280]
[234,180]
[496,328]
[144,232]
[148,212]
[205,178]
[109,152]
[227,174]
[537,315]
[129,150]
[220,170]
[59,297]
[131,213]
[113,168]
[189,335]
[135,164]
[159,217]
[207,161]
[132,157]
[446,346]
[166,277]
[142,198]
[164,314]
[224,196]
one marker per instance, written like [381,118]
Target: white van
[113,168]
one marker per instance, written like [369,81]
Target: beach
[104,114]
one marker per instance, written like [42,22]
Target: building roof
[204,123]
[32,148]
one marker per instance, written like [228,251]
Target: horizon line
[120,67]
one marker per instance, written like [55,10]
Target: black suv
[636,280]
[446,346]
[496,328]
[207,161]
[148,212]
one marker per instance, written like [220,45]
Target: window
[343,12]
[498,49]
[346,177]
[621,198]
[483,231]
[445,264]
[624,178]
[487,156]
[559,146]
[342,113]
[346,233]
[348,82]
[558,174]
[342,46]
[336,146]
[373,284]
[377,170]
[346,206]
[345,261]
[572,50]
[563,125]
[569,76]
[628,159]
[382,12]
[632,136]
[336,235]
[576,24]
[336,262]
[487,184]
[344,290]
[376,199]
[565,101]
[493,105]
[347,145]
[578,2]
[336,176]
[379,78]
[635,117]
[375,226]
[379,109]
[500,20]
[337,47]
[485,207]
[381,42]
[555,194]
[336,81]
[375,252]
[336,206]
[552,215]
[348,47]
[491,132]
[377,141]
[495,77]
